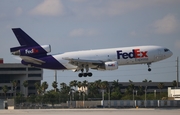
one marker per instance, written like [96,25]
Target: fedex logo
[111,65]
[31,51]
[136,53]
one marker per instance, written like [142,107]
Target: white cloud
[82,32]
[166,25]
[100,8]
[18,11]
[48,8]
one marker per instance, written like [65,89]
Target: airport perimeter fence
[104,104]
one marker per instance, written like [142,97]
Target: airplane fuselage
[124,56]
[36,55]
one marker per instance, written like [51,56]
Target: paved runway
[91,112]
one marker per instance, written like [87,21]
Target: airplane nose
[170,54]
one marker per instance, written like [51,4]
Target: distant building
[150,86]
[21,73]
[174,93]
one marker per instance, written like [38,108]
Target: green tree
[160,86]
[44,86]
[5,89]
[174,83]
[92,90]
[97,83]
[73,84]
[140,90]
[116,90]
[15,84]
[63,85]
[54,85]
[130,88]
[84,84]
[25,84]
[79,84]
[38,88]
[147,80]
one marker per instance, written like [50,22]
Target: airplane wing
[32,60]
[79,62]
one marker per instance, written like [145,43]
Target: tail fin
[23,38]
[28,47]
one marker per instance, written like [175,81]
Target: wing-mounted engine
[110,65]
[28,51]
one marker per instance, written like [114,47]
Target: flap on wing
[32,60]
[83,61]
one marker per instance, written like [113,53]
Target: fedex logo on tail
[31,51]
[136,53]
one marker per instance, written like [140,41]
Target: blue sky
[70,25]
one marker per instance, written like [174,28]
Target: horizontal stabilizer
[32,60]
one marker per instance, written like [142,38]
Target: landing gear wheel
[149,69]
[80,74]
[85,74]
[89,74]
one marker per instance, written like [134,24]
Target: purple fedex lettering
[136,53]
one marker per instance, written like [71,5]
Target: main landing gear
[85,74]
[149,69]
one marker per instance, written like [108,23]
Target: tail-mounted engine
[28,51]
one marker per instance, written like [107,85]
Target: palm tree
[38,88]
[140,90]
[174,83]
[92,90]
[15,84]
[104,85]
[97,83]
[44,86]
[63,85]
[147,80]
[116,86]
[79,84]
[25,84]
[130,88]
[160,86]
[73,84]
[5,89]
[54,85]
[84,84]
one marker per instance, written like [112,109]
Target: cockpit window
[166,50]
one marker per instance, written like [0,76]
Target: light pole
[133,99]
[109,97]
[103,98]
[145,96]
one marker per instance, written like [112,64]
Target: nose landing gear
[149,64]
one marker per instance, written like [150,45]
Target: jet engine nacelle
[36,50]
[110,65]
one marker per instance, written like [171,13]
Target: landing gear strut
[149,69]
[85,74]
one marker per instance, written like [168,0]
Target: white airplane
[36,55]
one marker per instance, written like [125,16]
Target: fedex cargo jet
[36,55]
